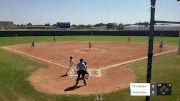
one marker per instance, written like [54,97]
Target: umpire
[81,70]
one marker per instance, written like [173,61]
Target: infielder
[72,65]
[90,45]
[33,44]
[161,45]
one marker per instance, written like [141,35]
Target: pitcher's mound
[87,50]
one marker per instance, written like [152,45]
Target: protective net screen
[87,50]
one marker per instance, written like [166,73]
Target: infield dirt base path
[102,56]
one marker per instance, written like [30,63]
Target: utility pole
[150,46]
[151,40]
[179,43]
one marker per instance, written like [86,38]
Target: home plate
[92,72]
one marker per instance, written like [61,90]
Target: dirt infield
[103,57]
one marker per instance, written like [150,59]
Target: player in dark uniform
[33,44]
[161,45]
[81,68]
[129,39]
[54,38]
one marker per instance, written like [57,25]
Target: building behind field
[63,26]
[6,25]
[156,27]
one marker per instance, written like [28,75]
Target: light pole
[179,43]
[150,46]
[151,40]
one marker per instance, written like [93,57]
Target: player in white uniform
[86,74]
[72,66]
[90,45]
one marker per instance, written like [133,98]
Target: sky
[86,11]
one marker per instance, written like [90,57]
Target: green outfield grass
[14,71]
[166,69]
[142,39]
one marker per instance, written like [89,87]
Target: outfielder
[129,39]
[54,38]
[72,65]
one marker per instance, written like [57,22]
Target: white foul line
[99,70]
[35,57]
[131,61]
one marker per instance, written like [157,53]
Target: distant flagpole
[91,36]
[161,36]
[179,44]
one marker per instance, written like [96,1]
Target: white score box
[139,89]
